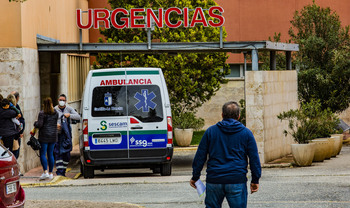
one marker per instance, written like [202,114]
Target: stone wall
[211,110]
[19,71]
[269,93]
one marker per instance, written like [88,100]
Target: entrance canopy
[179,47]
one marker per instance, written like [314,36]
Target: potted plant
[184,123]
[326,128]
[302,129]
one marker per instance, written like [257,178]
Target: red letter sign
[89,24]
[159,21]
[97,19]
[219,17]
[134,17]
[124,19]
[202,17]
[167,17]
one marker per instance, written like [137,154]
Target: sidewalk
[32,177]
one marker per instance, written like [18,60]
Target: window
[237,70]
[109,101]
[4,153]
[143,102]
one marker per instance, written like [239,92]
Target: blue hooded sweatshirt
[229,145]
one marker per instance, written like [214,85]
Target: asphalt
[32,177]
[73,176]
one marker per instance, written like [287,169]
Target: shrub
[187,120]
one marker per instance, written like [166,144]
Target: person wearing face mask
[65,114]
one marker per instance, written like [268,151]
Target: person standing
[8,130]
[229,145]
[22,121]
[65,114]
[47,125]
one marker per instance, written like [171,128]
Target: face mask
[62,103]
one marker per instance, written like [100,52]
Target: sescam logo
[103,125]
[115,125]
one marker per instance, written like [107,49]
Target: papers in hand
[200,187]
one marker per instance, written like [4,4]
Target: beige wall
[345,116]
[19,59]
[10,24]
[50,18]
[211,110]
[269,93]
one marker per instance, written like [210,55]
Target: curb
[180,149]
[53,182]
[280,165]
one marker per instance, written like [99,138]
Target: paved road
[322,185]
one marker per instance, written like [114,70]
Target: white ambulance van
[126,121]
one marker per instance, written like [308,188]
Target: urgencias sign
[132,18]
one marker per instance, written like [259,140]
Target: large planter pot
[336,145]
[321,149]
[303,154]
[341,141]
[329,146]
[183,137]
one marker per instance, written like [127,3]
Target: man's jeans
[236,195]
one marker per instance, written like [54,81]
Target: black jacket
[7,127]
[21,119]
[47,125]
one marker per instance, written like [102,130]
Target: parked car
[11,193]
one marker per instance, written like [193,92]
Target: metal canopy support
[288,60]
[221,38]
[178,47]
[80,40]
[272,60]
[245,62]
[255,60]
[149,38]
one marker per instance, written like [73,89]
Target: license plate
[11,188]
[103,141]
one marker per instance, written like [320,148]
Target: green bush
[309,122]
[187,120]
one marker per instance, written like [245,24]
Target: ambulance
[126,121]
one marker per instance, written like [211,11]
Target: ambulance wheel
[165,169]
[88,172]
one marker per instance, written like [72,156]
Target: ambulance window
[145,103]
[109,101]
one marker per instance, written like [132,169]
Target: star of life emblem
[145,100]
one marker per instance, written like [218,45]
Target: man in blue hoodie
[229,144]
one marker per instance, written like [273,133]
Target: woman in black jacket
[47,125]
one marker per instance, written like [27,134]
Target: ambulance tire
[88,172]
[165,169]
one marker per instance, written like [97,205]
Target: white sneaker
[51,176]
[44,176]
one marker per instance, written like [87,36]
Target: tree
[323,57]
[192,78]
